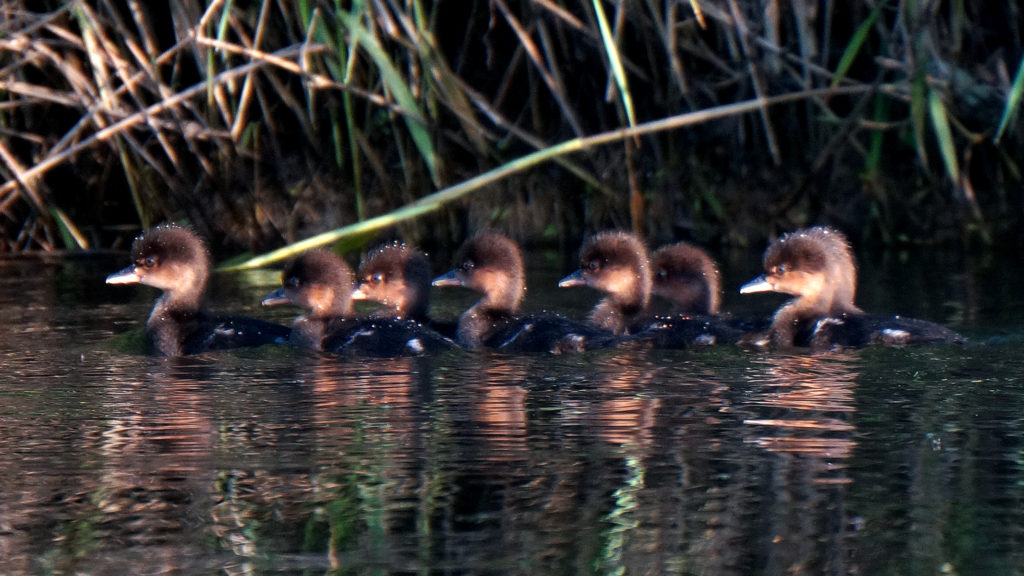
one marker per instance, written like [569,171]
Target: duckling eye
[292,282]
[148,262]
[592,266]
[376,279]
[662,273]
[781,269]
[466,265]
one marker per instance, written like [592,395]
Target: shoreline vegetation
[272,126]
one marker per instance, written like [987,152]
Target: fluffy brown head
[687,276]
[321,282]
[616,264]
[398,277]
[491,264]
[816,265]
[173,259]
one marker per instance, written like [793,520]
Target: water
[723,461]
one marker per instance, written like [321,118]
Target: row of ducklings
[815,265]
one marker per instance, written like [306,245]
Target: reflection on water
[718,461]
[808,400]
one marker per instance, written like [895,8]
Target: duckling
[174,259]
[398,277]
[492,264]
[615,263]
[687,277]
[321,283]
[816,265]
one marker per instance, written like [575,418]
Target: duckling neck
[477,323]
[415,307]
[308,331]
[186,298]
[413,300]
[169,327]
[793,317]
[329,307]
[615,316]
[617,312]
[707,302]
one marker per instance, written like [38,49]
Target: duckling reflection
[620,412]
[796,424]
[362,423]
[802,405]
[492,404]
[163,444]
[367,405]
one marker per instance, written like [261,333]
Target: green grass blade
[613,57]
[918,112]
[873,161]
[414,119]
[940,123]
[69,233]
[1012,107]
[856,43]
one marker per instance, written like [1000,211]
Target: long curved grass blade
[414,119]
[873,160]
[69,233]
[940,123]
[434,201]
[918,112]
[618,71]
[856,43]
[211,57]
[1012,107]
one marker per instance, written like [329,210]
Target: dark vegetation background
[263,123]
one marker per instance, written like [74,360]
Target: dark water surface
[722,461]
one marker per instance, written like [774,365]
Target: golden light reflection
[497,406]
[801,404]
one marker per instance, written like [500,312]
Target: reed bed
[268,123]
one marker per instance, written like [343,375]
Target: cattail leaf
[856,43]
[618,71]
[396,85]
[1012,102]
[940,123]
